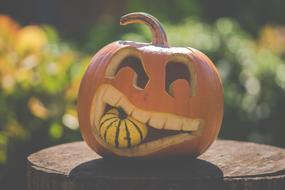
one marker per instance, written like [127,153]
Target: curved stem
[158,34]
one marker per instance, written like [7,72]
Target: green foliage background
[40,75]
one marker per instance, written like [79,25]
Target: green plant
[39,80]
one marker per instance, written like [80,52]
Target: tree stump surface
[226,165]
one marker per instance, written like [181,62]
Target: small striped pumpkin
[121,132]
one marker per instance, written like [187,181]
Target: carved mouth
[165,129]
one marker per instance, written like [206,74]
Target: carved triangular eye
[176,70]
[136,65]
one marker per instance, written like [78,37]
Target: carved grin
[171,129]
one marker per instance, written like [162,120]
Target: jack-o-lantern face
[150,100]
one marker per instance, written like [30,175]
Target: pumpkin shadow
[178,173]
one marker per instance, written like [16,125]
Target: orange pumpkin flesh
[175,91]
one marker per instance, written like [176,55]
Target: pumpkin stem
[158,33]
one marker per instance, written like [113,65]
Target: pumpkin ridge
[117,134]
[103,122]
[127,134]
[108,127]
[137,128]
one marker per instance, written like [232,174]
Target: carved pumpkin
[150,100]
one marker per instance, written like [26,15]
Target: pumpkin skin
[197,101]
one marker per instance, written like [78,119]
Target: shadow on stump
[179,173]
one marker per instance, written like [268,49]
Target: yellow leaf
[37,108]
[273,38]
[8,29]
[31,39]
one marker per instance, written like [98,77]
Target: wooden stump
[226,165]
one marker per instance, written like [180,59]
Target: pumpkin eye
[136,65]
[176,70]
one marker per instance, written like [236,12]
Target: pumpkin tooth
[126,106]
[157,120]
[140,115]
[191,124]
[100,106]
[112,96]
[173,123]
[99,112]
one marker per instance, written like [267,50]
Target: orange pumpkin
[174,95]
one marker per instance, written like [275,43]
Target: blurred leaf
[70,120]
[3,147]
[55,131]
[39,80]
[30,39]
[37,108]
[273,38]
[51,34]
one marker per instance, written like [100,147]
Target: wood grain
[226,165]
